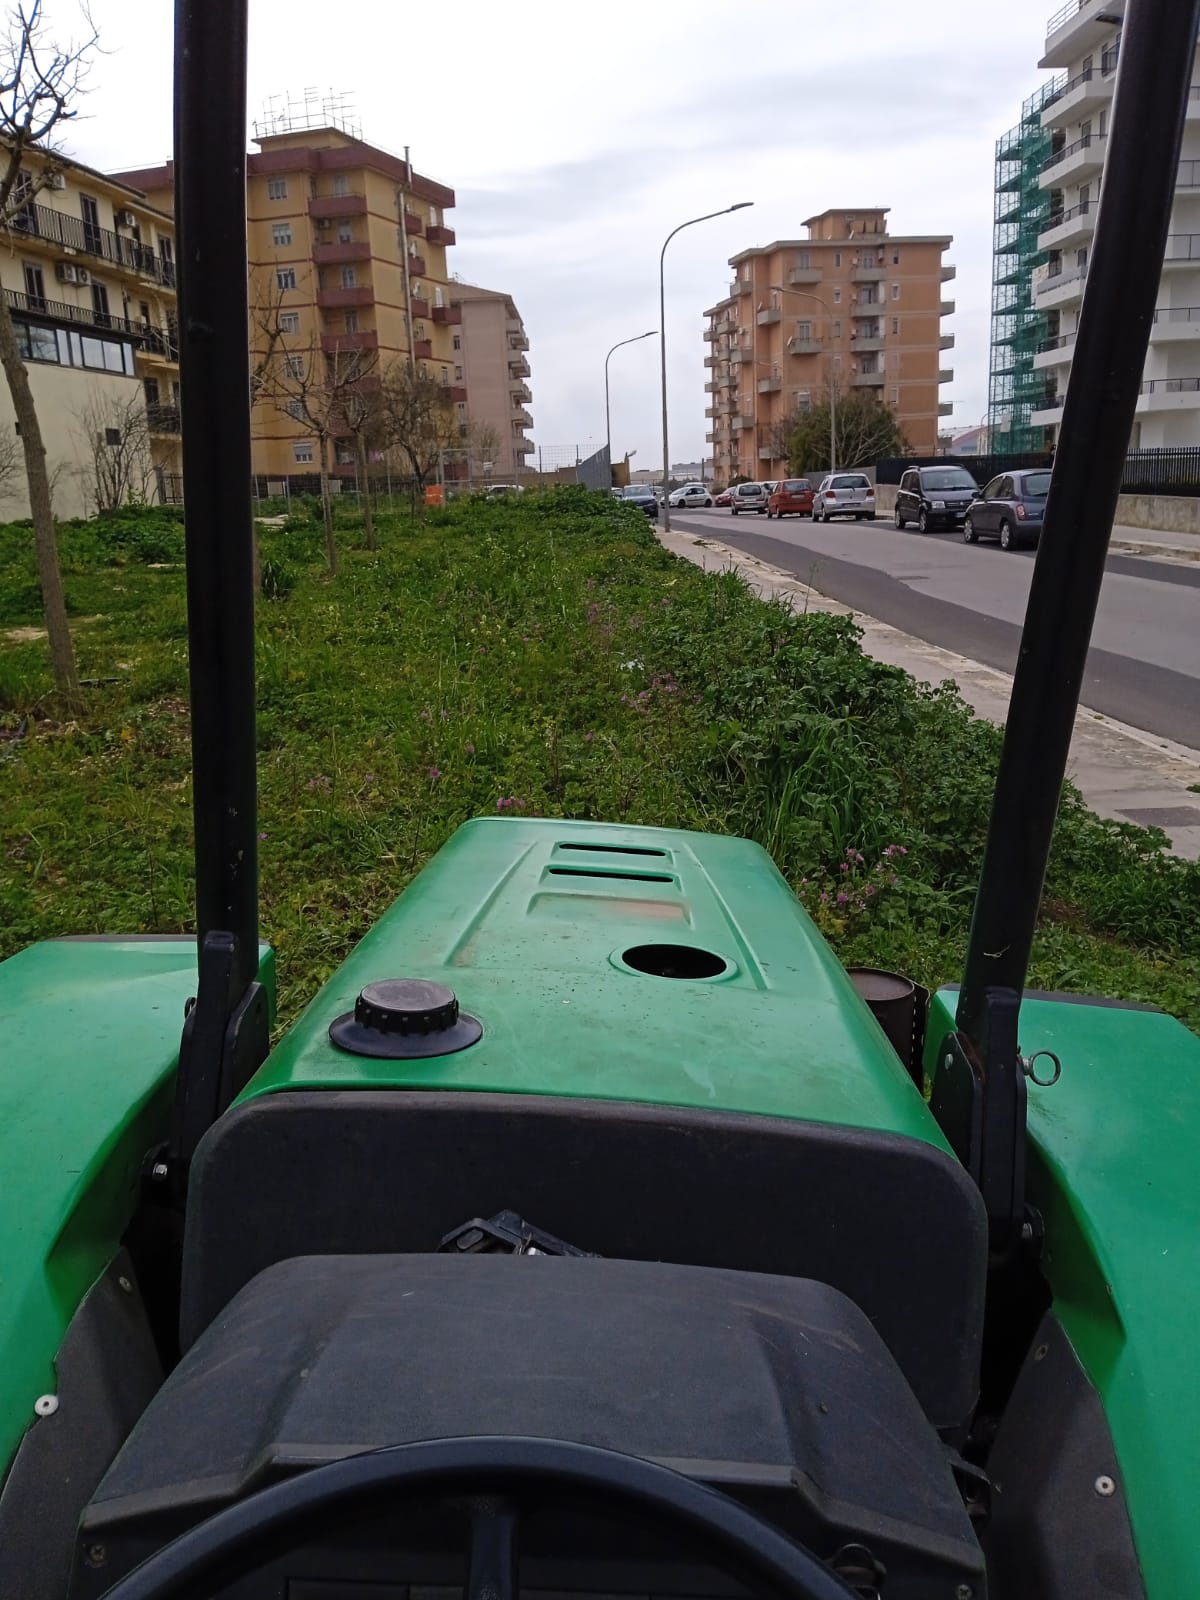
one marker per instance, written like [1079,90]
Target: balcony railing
[337,205]
[413,226]
[436,233]
[342,251]
[448,316]
[1171,386]
[1063,342]
[1178,314]
[157,341]
[1086,143]
[1182,247]
[453,393]
[360,294]
[1059,278]
[1057,218]
[1063,89]
[420,308]
[73,233]
[423,349]
[163,419]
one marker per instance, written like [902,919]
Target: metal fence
[1166,472]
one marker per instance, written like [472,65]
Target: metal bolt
[124,1283]
[159,1171]
[96,1555]
[1104,1485]
[46,1405]
[947,1062]
[1042,1351]
[1027,1231]
[964,1592]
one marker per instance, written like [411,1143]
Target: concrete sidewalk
[1155,542]
[1121,771]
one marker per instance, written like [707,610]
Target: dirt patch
[24,635]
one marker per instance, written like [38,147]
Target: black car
[934,497]
[642,496]
[1010,508]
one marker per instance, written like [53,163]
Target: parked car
[791,496]
[723,498]
[747,497]
[1010,508]
[691,494]
[642,496]
[934,497]
[497,491]
[844,494]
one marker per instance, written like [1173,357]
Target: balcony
[422,349]
[416,266]
[73,235]
[769,385]
[518,339]
[1175,324]
[713,361]
[1074,161]
[765,453]
[518,367]
[361,294]
[869,341]
[447,316]
[163,419]
[1077,27]
[437,233]
[710,438]
[150,341]
[332,255]
[945,374]
[945,408]
[741,286]
[802,275]
[343,343]
[796,346]
[1169,394]
[1183,249]
[1070,227]
[741,353]
[710,411]
[741,422]
[1058,352]
[949,270]
[946,341]
[1086,92]
[867,380]
[453,393]
[521,420]
[726,324]
[337,205]
[868,274]
[419,308]
[768,314]
[946,308]
[1048,414]
[522,446]
[1060,287]
[520,393]
[709,335]
[711,388]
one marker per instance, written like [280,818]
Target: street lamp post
[804,294]
[662,342]
[607,417]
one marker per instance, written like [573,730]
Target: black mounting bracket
[979,1099]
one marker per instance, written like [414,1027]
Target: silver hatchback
[844,494]
[747,497]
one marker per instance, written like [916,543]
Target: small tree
[40,83]
[483,445]
[417,420]
[355,391]
[115,436]
[867,431]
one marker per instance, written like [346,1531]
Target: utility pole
[408,310]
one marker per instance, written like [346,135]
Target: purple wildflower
[434,774]
[470,749]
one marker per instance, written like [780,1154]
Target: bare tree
[40,85]
[12,463]
[115,439]
[418,420]
[483,444]
[358,410]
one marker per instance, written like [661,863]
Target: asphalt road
[1144,664]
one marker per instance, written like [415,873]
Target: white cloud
[579,138]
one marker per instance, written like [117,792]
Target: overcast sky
[577,136]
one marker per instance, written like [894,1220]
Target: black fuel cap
[404,1019]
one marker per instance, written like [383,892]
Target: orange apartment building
[347,247]
[851,307]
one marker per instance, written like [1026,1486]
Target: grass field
[545,658]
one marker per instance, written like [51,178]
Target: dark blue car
[1009,508]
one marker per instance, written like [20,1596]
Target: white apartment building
[1083,40]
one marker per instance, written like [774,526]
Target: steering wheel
[497,1474]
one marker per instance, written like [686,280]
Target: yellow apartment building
[494,363]
[87,266]
[347,248]
[850,307]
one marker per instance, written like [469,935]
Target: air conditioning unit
[65,272]
[126,219]
[81,275]
[324,222]
[58,180]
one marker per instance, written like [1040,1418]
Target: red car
[722,499]
[791,495]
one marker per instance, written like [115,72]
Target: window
[276,188]
[38,344]
[35,286]
[100,305]
[91,223]
[804,330]
[151,390]
[803,260]
[435,217]
[437,296]
[895,394]
[895,291]
[458,378]
[895,258]
[295,366]
[1104,122]
[837,363]
[458,341]
[112,437]
[348,279]
[895,324]
[341,184]
[289,322]
[345,233]
[837,297]
[445,376]
[314,188]
[893,360]
[352,322]
[837,258]
[285,277]
[295,410]
[281,233]
[302,452]
[837,330]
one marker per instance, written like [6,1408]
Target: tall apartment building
[850,307]
[347,248]
[1016,386]
[1083,39]
[88,272]
[492,357]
